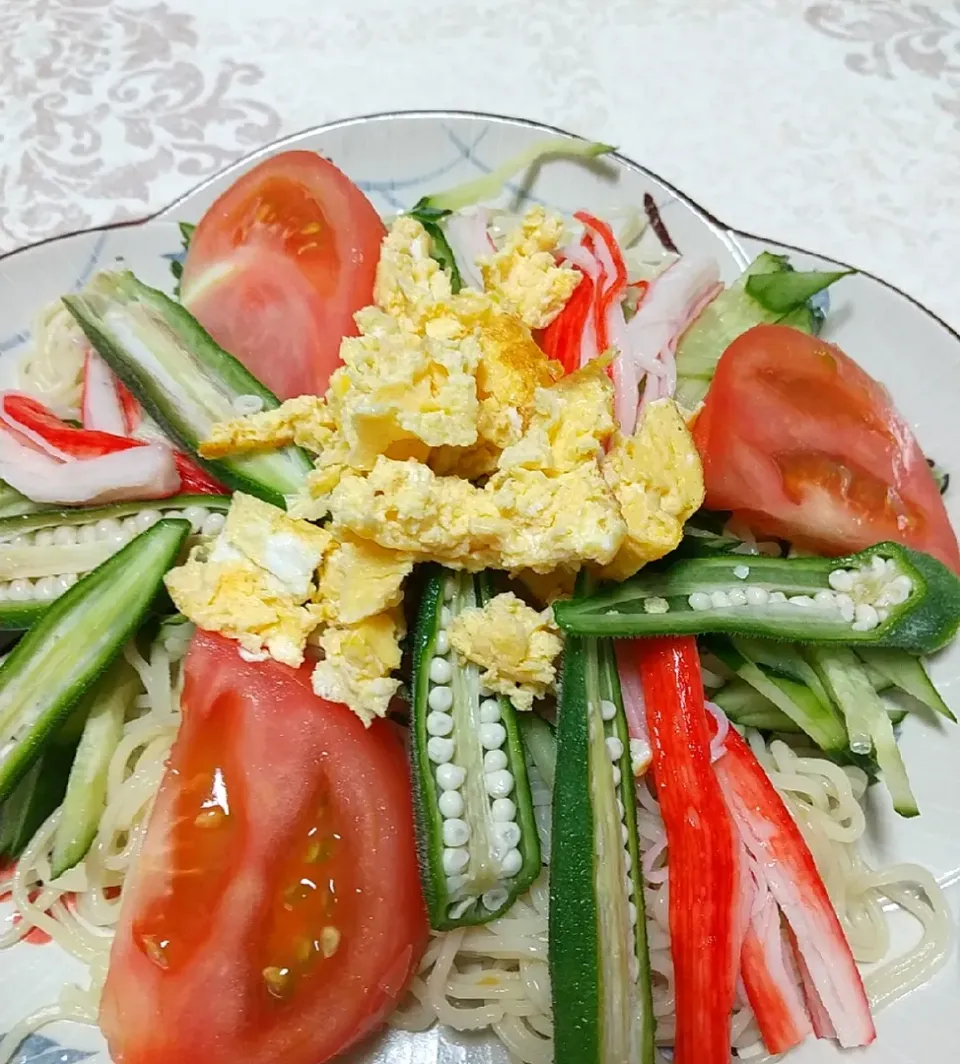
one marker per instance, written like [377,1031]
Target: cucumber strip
[599,961]
[782,659]
[42,554]
[886,595]
[744,705]
[12,503]
[813,714]
[186,381]
[66,650]
[86,792]
[34,798]
[541,745]
[868,723]
[906,672]
[479,847]
[785,290]
[430,218]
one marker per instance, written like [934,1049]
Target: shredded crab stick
[101,406]
[631,691]
[701,841]
[29,418]
[781,857]
[467,235]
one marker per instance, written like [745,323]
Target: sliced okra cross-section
[475,821]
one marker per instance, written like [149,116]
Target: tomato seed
[277,980]
[329,941]
[209,818]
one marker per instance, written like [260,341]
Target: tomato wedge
[801,443]
[278,266]
[275,911]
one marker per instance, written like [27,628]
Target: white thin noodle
[53,369]
[493,977]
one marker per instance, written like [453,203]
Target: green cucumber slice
[868,723]
[906,672]
[49,670]
[186,381]
[469,769]
[106,705]
[41,554]
[541,745]
[912,600]
[34,798]
[599,962]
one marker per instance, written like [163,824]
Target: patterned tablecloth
[832,125]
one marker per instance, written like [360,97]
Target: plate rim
[439,114]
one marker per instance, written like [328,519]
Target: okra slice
[13,503]
[886,595]
[183,377]
[44,554]
[49,670]
[475,822]
[599,962]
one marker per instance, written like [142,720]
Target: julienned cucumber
[868,725]
[106,705]
[599,963]
[768,291]
[884,596]
[183,377]
[476,830]
[35,797]
[49,670]
[42,554]
[906,672]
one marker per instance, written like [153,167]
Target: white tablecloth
[832,125]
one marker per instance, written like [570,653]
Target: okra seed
[492,736]
[878,564]
[87,534]
[629,886]
[498,784]
[883,613]
[65,536]
[108,528]
[627,861]
[699,601]
[616,776]
[45,589]
[247,404]
[454,883]
[719,599]
[456,832]
[801,600]
[44,538]
[196,515]
[439,723]
[459,908]
[440,699]
[634,968]
[741,572]
[777,596]
[213,524]
[620,808]
[503,810]
[22,541]
[130,527]
[512,863]
[445,617]
[656,604]
[825,598]
[507,834]
[898,590]
[450,803]
[147,519]
[440,671]
[608,709]
[20,591]
[65,581]
[441,644]
[450,777]
[489,711]
[440,750]
[633,914]
[841,580]
[847,608]
[867,618]
[495,898]
[614,748]
[757,596]
[455,859]
[737,596]
[494,761]
[624,834]
[448,590]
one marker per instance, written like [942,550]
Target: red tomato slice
[275,912]
[278,266]
[801,443]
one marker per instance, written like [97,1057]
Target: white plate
[398,158]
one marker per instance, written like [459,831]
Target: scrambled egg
[657,479]
[514,645]
[447,436]
[523,275]
[254,582]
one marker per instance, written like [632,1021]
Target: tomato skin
[802,443]
[278,266]
[204,999]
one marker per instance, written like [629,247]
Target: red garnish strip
[561,339]
[703,863]
[774,842]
